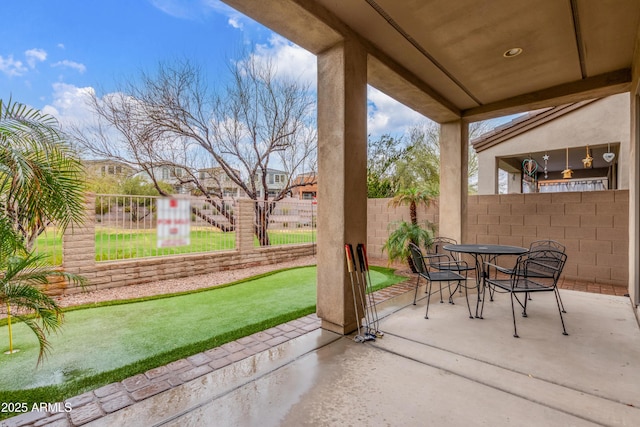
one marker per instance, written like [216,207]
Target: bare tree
[171,119]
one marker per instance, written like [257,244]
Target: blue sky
[53,51]
[94,43]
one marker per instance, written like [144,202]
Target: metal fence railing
[127,227]
[290,222]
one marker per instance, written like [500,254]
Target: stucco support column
[454,148]
[634,182]
[342,168]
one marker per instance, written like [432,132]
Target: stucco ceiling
[451,51]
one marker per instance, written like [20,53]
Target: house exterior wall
[600,122]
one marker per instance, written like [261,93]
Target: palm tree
[397,245]
[412,197]
[398,241]
[41,178]
[41,182]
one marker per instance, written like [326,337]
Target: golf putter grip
[364,255]
[348,250]
[361,256]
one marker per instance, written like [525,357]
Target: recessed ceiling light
[514,51]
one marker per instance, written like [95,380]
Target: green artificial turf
[109,342]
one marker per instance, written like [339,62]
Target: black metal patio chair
[537,272]
[538,248]
[453,260]
[541,245]
[424,268]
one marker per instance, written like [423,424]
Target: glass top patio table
[483,253]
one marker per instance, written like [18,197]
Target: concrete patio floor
[448,370]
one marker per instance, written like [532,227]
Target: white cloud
[291,60]
[60,45]
[194,10]
[386,115]
[33,56]
[69,104]
[12,67]
[235,18]
[182,9]
[81,68]
[235,23]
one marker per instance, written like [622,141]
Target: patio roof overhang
[455,63]
[446,59]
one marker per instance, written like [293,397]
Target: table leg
[479,283]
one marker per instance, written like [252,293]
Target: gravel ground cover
[175,285]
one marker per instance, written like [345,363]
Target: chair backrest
[436,247]
[547,263]
[541,245]
[418,259]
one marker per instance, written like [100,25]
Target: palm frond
[40,175]
[40,333]
[397,245]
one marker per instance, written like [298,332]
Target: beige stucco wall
[634,186]
[600,122]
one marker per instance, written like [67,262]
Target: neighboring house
[215,180]
[170,175]
[277,180]
[564,134]
[308,189]
[102,167]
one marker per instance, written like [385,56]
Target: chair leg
[454,291]
[426,314]
[558,302]
[560,298]
[441,301]
[466,296]
[513,314]
[415,296]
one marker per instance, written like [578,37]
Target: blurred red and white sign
[174,222]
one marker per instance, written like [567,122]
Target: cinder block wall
[594,226]
[382,220]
